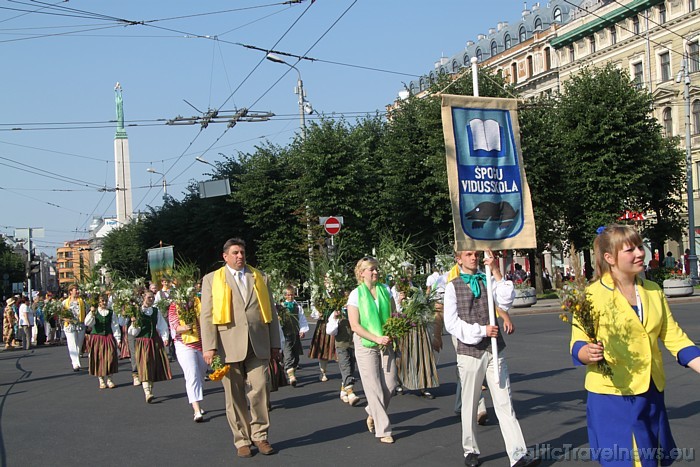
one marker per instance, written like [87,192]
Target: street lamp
[203,161]
[165,185]
[692,258]
[303,107]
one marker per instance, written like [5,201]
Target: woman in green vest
[369,306]
[103,343]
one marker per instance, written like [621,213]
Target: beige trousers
[247,425]
[378,373]
[471,374]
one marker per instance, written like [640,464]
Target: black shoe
[472,460]
[527,461]
[426,394]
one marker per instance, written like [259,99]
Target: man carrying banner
[467,318]
[238,321]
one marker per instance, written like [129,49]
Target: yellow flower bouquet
[220,369]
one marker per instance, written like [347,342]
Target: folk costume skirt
[151,359]
[322,345]
[103,359]
[415,361]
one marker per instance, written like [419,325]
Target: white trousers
[458,392]
[471,374]
[192,363]
[74,339]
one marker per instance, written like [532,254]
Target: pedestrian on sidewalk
[626,412]
[8,323]
[26,321]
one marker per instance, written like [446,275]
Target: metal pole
[692,258]
[489,285]
[302,116]
[29,262]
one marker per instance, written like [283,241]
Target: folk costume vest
[148,324]
[103,324]
[474,310]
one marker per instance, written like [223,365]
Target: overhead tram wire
[26,13]
[68,180]
[42,201]
[648,18]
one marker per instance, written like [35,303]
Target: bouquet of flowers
[329,285]
[53,308]
[92,288]
[220,369]
[126,297]
[578,308]
[396,327]
[186,276]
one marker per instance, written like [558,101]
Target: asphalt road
[50,416]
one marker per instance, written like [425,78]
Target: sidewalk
[552,305]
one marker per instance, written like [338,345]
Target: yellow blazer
[631,346]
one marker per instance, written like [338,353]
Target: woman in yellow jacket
[627,420]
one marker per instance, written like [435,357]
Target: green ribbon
[472,280]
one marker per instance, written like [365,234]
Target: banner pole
[489,285]
[492,322]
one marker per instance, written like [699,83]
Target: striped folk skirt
[124,347]
[322,345]
[151,360]
[415,363]
[103,359]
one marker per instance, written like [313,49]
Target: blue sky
[61,60]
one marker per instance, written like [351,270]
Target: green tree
[11,264]
[124,250]
[609,139]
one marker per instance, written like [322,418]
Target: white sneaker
[353,399]
[324,378]
[137,381]
[343,395]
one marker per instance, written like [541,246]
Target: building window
[572,54]
[530,68]
[556,15]
[691,5]
[635,25]
[662,13]
[507,41]
[455,66]
[494,48]
[421,84]
[638,74]
[591,44]
[432,77]
[696,117]
[667,122]
[538,24]
[479,55]
[513,73]
[693,57]
[613,35]
[665,66]
[466,60]
[521,34]
[547,59]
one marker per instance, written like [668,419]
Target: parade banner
[491,206]
[161,262]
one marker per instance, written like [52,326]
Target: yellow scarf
[221,297]
[192,336]
[81,303]
[454,273]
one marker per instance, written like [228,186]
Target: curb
[552,305]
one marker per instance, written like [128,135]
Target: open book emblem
[485,138]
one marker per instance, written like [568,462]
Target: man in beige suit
[239,321]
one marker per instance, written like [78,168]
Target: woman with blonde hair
[369,306]
[104,340]
[626,411]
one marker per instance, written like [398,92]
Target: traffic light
[34,265]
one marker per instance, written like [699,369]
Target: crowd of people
[240,324]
